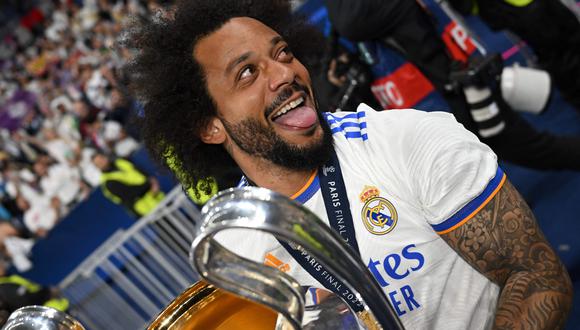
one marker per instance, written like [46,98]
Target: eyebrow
[273,42]
[276,40]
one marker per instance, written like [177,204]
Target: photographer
[405,24]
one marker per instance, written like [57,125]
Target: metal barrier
[126,282]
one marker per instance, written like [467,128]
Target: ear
[214,133]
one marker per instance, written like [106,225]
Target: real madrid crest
[378,214]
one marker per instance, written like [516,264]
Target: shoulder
[399,133]
[367,123]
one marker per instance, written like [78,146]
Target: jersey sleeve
[452,173]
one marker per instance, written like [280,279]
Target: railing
[126,282]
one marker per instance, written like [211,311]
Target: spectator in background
[63,118]
[15,247]
[61,181]
[63,81]
[41,213]
[116,140]
[13,213]
[18,152]
[122,109]
[87,116]
[15,238]
[62,150]
[123,183]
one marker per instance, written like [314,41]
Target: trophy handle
[263,210]
[264,285]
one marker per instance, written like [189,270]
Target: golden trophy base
[203,306]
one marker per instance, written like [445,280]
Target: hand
[332,75]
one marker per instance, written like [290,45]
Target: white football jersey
[410,176]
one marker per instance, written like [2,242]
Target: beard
[261,141]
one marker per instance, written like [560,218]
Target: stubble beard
[263,142]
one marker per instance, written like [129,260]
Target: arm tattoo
[505,244]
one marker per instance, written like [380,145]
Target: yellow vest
[127,174]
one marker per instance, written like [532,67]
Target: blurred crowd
[62,101]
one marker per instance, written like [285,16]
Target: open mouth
[288,107]
[295,114]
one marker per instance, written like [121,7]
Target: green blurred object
[61,304]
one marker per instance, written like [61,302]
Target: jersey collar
[308,190]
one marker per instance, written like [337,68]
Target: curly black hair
[170,84]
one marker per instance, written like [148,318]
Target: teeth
[289,107]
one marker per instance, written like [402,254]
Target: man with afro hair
[424,203]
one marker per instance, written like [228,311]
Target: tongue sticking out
[301,117]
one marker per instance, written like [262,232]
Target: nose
[280,74]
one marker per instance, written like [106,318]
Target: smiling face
[263,95]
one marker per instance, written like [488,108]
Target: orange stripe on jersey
[472,214]
[305,186]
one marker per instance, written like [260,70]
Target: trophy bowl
[203,306]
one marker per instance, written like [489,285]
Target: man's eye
[246,73]
[285,53]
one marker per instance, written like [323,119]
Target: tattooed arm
[504,243]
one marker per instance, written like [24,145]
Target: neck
[265,174]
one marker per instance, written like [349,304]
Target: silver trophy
[41,317]
[263,210]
